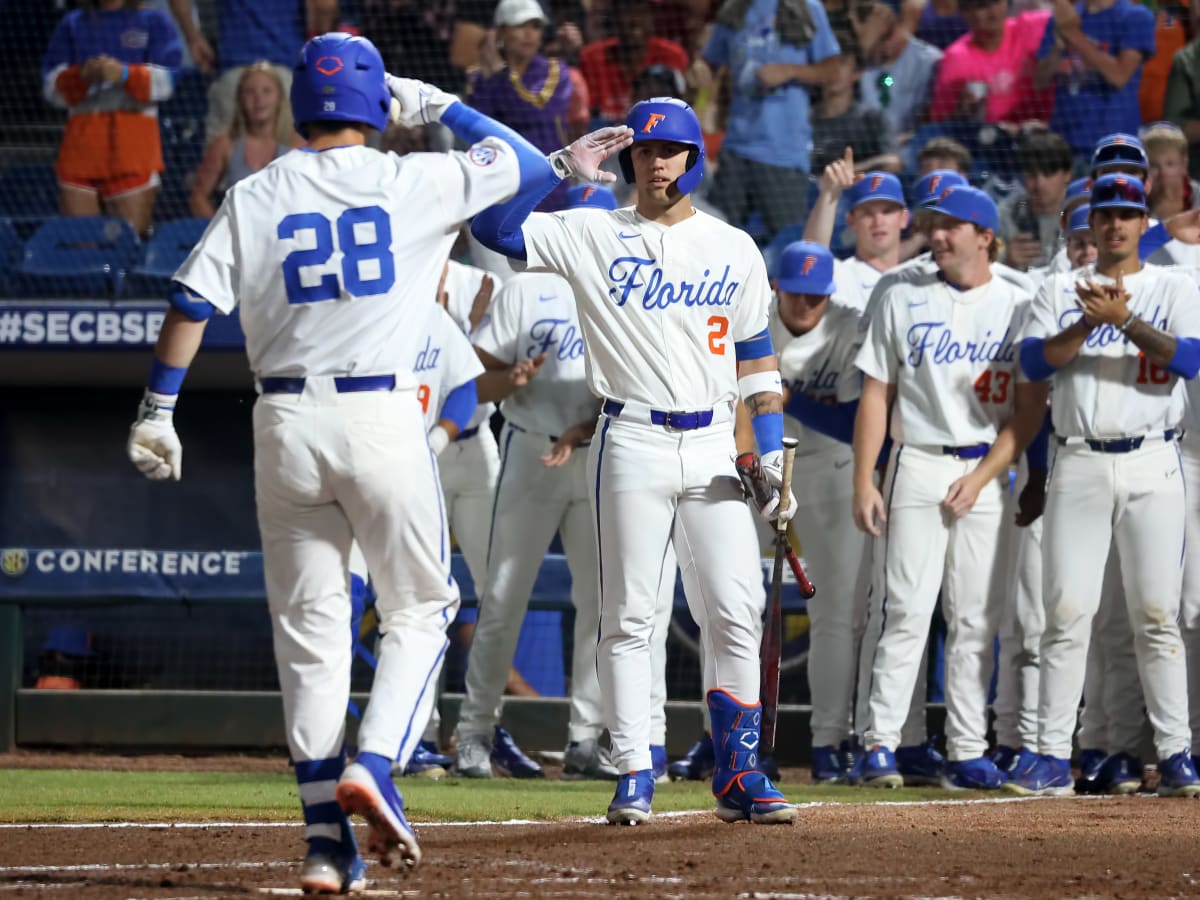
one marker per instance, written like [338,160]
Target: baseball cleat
[1177,776]
[1090,762]
[697,764]
[360,792]
[877,769]
[587,761]
[750,796]
[509,758]
[631,800]
[658,762]
[426,762]
[1120,774]
[920,765]
[1003,757]
[473,758]
[328,873]
[742,790]
[1045,776]
[828,765]
[980,774]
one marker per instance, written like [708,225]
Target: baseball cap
[1119,149]
[1079,189]
[876,186]
[933,184]
[517,12]
[1079,219]
[968,204]
[593,195]
[806,268]
[1116,191]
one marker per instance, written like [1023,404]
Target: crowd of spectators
[1014,93]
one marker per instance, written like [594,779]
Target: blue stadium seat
[164,253]
[84,257]
[28,192]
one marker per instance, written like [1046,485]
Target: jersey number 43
[364,236]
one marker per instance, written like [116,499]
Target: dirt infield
[1128,848]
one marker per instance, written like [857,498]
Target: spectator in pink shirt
[987,74]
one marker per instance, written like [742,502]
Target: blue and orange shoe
[742,789]
[1045,776]
[366,789]
[632,798]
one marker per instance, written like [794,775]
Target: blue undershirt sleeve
[460,404]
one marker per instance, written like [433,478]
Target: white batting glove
[582,158]
[417,102]
[439,439]
[153,444]
[772,466]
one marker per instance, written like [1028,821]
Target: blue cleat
[921,765]
[366,789]
[658,763]
[510,759]
[1003,757]
[979,774]
[1090,762]
[333,867]
[1120,774]
[828,765]
[1045,776]
[1177,776]
[426,762]
[631,800]
[877,768]
[742,789]
[697,764]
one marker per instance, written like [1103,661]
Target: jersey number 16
[364,235]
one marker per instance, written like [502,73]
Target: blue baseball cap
[806,268]
[594,195]
[1079,219]
[876,186]
[1080,187]
[1117,191]
[968,204]
[933,184]
[1119,149]
[70,640]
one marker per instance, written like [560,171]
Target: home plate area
[1093,848]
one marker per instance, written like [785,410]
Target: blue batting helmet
[667,119]
[339,78]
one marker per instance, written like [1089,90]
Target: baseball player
[332,255]
[942,348]
[673,309]
[1114,339]
[1190,606]
[816,341]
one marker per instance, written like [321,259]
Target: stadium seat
[28,192]
[83,257]
[164,253]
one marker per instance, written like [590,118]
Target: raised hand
[417,102]
[582,158]
[839,174]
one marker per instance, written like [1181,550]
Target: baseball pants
[1136,502]
[469,471]
[653,487]
[925,550]
[1190,608]
[532,503]
[325,469]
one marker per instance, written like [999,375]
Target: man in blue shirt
[1093,53]
[770,50]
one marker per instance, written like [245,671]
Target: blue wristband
[768,432]
[165,379]
[124,74]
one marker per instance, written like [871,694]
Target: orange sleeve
[71,85]
[137,85]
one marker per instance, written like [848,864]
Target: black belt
[1117,445]
[970,451]
[682,421]
[343,384]
[468,434]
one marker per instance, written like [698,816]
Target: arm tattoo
[764,402]
[1158,346]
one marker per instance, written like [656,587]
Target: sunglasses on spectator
[1119,153]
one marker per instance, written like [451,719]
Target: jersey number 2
[352,225]
[719,326]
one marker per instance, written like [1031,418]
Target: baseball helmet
[667,119]
[339,78]
[596,196]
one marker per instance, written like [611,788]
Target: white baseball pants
[469,471]
[925,550]
[1136,502]
[1189,613]
[325,469]
[653,487]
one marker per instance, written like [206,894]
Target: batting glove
[772,466]
[582,158]
[417,102]
[153,444]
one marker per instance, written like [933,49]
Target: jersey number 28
[364,235]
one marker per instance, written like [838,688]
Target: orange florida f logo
[652,122]
[810,263]
[876,181]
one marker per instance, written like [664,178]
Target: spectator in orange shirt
[609,66]
[110,63]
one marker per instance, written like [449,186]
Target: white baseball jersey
[360,264]
[442,360]
[854,280]
[821,365]
[650,338]
[952,355]
[535,314]
[1110,390]
[462,285]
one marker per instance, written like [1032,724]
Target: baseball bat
[755,483]
[771,648]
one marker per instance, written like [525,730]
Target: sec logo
[14,562]
[482,156]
